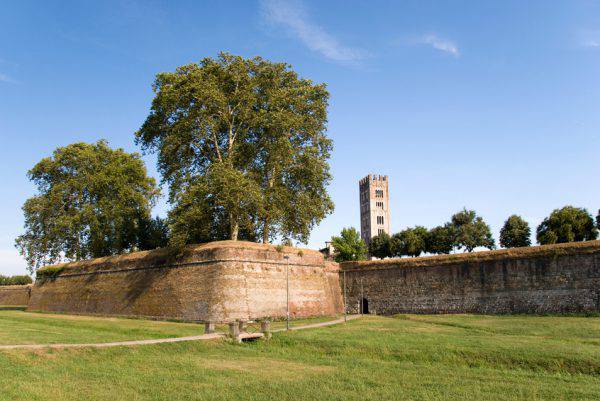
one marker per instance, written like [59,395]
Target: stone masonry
[561,278]
[219,281]
[374,206]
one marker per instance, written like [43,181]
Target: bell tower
[374,206]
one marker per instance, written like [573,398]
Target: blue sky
[489,105]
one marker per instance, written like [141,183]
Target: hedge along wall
[219,281]
[14,295]
[559,278]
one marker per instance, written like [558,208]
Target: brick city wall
[559,278]
[14,295]
[219,281]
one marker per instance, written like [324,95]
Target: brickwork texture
[220,281]
[563,278]
[14,295]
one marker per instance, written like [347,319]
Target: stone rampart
[220,281]
[14,295]
[561,278]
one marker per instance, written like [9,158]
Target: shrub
[15,280]
[49,272]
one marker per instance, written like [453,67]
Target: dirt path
[161,340]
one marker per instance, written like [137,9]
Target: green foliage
[349,246]
[382,246]
[15,280]
[440,240]
[515,233]
[153,233]
[90,202]
[410,242]
[598,220]
[242,145]
[49,272]
[416,357]
[568,224]
[470,231]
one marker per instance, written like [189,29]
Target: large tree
[349,246]
[242,145]
[382,246]
[91,202]
[470,231]
[440,239]
[411,241]
[567,225]
[598,220]
[515,233]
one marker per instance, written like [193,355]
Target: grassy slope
[409,357]
[18,327]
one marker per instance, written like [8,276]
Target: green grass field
[458,357]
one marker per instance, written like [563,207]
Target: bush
[15,280]
[49,272]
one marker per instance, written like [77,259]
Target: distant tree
[349,246]
[90,202]
[242,145]
[470,231]
[515,233]
[567,225]
[15,280]
[440,240]
[153,233]
[411,242]
[598,220]
[381,246]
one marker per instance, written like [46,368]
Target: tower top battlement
[372,178]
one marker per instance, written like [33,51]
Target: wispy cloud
[589,38]
[439,43]
[293,16]
[7,80]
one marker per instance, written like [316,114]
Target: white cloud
[11,262]
[6,79]
[589,38]
[294,18]
[444,45]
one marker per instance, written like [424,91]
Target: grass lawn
[19,327]
[458,357]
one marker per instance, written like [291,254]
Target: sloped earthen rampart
[560,278]
[219,281]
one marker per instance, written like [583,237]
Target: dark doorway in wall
[364,306]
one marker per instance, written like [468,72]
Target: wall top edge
[569,248]
[163,255]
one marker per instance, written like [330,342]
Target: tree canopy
[440,240]
[410,242]
[15,280]
[567,225]
[515,233]
[91,201]
[349,246]
[381,246]
[470,231]
[241,144]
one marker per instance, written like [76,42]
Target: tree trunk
[235,228]
[265,232]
